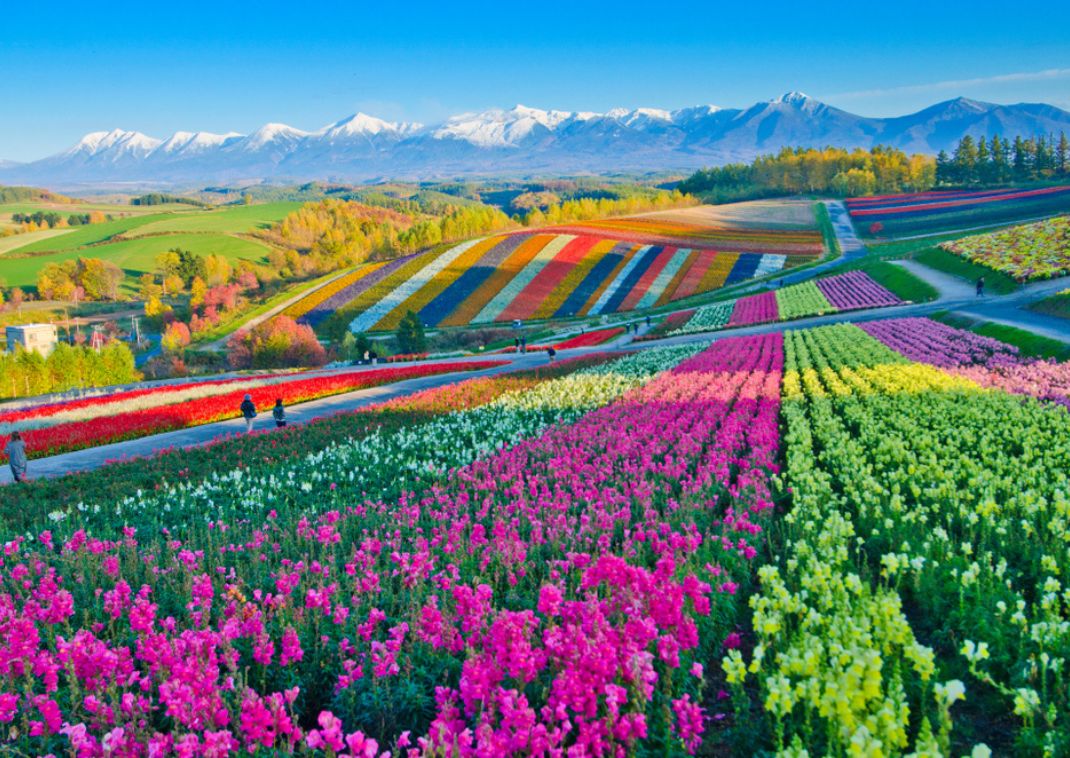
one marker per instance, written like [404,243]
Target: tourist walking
[551,353]
[524,344]
[16,456]
[279,413]
[981,287]
[248,412]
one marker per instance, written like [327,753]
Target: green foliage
[1028,343]
[949,263]
[587,208]
[998,162]
[810,170]
[27,373]
[900,282]
[411,338]
[159,198]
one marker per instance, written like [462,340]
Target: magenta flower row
[563,582]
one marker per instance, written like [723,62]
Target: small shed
[39,337]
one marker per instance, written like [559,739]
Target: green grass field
[231,219]
[16,241]
[135,256]
[900,282]
[92,234]
[949,263]
[1057,305]
[1029,344]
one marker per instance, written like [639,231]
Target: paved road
[955,295]
[83,460]
[851,246]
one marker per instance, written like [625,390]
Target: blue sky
[158,68]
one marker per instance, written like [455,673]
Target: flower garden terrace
[585,270]
[830,539]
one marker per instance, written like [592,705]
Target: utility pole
[136,329]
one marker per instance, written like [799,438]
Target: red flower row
[105,430]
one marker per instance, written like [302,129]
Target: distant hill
[520,141]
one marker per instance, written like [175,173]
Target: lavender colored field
[988,362]
[927,341]
[855,290]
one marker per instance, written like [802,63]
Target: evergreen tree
[965,161]
[411,338]
[944,171]
[984,162]
[1062,155]
[1020,163]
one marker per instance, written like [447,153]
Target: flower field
[583,272]
[941,211]
[923,561]
[1031,251]
[835,540]
[854,290]
[79,425]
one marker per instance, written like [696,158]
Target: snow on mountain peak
[191,141]
[793,98]
[273,132]
[363,125]
[497,127]
[119,140]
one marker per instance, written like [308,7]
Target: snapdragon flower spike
[544,595]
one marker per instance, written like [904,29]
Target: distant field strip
[542,275]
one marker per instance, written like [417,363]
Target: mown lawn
[941,260]
[229,219]
[134,256]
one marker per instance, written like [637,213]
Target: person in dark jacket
[279,413]
[248,412]
[551,352]
[524,344]
[16,456]
[981,287]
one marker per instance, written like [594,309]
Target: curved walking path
[91,458]
[954,295]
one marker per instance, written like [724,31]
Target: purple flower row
[927,341]
[855,290]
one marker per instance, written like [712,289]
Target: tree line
[998,161]
[160,198]
[52,220]
[26,372]
[829,170]
[587,208]
[325,236]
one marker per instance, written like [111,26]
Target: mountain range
[520,141]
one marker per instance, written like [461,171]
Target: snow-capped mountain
[519,141]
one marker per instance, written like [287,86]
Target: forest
[830,170]
[998,161]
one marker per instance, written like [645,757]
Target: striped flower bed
[540,275]
[933,212]
[843,292]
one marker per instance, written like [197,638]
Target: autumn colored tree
[175,337]
[277,343]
